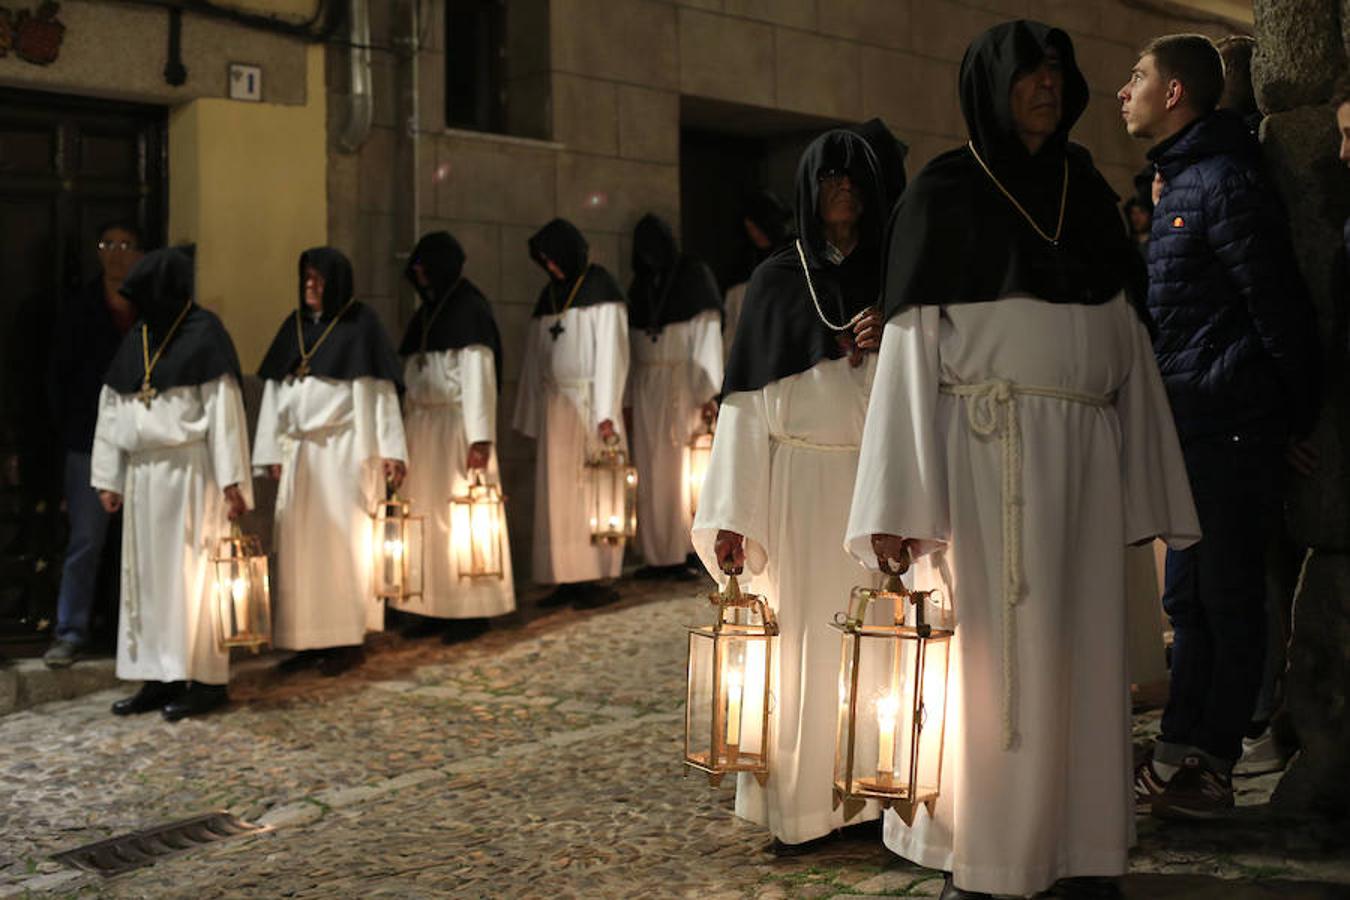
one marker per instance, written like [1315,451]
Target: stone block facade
[598,103]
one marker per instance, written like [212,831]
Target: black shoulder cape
[668,287]
[453,313]
[160,285]
[955,238]
[357,347]
[780,333]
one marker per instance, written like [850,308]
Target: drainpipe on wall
[360,102]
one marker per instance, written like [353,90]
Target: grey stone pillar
[1301,50]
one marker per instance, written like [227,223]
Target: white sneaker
[1260,756]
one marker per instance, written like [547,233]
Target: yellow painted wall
[248,185]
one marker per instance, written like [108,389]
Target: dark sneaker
[951,892]
[61,654]
[1196,792]
[1148,786]
[1087,887]
[197,700]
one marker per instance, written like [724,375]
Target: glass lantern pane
[260,590]
[389,557]
[487,537]
[698,700]
[461,537]
[412,556]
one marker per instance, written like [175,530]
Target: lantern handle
[732,598]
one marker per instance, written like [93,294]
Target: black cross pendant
[556,329]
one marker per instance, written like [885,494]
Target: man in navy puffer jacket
[1236,345]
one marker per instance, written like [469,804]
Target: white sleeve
[901,487]
[610,323]
[525,418]
[735,495]
[388,420]
[705,371]
[266,446]
[227,435]
[1157,489]
[478,390]
[108,464]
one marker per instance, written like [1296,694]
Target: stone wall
[1301,50]
[616,72]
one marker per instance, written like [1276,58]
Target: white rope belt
[982,413]
[789,441]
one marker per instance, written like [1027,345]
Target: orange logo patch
[1178,222]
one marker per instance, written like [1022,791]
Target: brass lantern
[611,484]
[892,700]
[243,607]
[476,525]
[396,550]
[727,708]
[697,456]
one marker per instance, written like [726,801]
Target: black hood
[338,283]
[955,238]
[562,242]
[199,350]
[453,313]
[991,65]
[668,287]
[357,346]
[159,285]
[442,260]
[780,333]
[846,151]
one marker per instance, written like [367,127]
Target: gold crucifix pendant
[146,393]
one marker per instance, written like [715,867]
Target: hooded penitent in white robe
[568,386]
[781,474]
[451,402]
[171,462]
[1027,443]
[671,378]
[329,437]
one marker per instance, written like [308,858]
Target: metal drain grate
[116,855]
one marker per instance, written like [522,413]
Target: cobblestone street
[537,761]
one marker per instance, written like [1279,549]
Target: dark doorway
[67,165]
[727,151]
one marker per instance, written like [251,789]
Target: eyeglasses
[828,176]
[116,245]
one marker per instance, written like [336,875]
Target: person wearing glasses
[87,335]
[775,500]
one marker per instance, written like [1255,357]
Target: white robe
[567,388]
[329,437]
[171,463]
[450,403]
[781,474]
[1092,479]
[671,378]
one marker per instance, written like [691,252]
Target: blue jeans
[1215,596]
[88,530]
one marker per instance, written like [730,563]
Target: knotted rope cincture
[991,411]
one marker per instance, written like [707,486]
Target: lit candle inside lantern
[239,592]
[393,556]
[735,693]
[888,709]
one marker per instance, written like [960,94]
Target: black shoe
[784,850]
[421,627]
[341,659]
[1087,887]
[562,595]
[197,700]
[650,573]
[951,892]
[152,695]
[1195,793]
[460,630]
[596,597]
[302,660]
